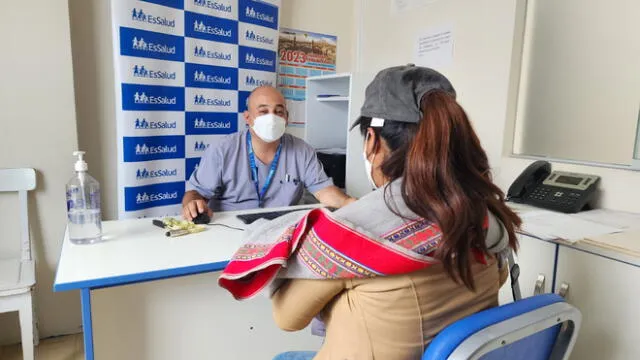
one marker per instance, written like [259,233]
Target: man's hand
[194,204]
[334,197]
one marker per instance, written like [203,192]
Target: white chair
[17,275]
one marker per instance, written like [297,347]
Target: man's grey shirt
[224,174]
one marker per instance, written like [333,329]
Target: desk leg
[87,324]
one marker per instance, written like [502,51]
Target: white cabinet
[328,120]
[327,111]
[535,257]
[607,292]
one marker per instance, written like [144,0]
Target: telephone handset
[556,190]
[528,180]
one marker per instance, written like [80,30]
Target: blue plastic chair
[542,327]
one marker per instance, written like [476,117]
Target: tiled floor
[59,348]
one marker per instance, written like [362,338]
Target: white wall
[484,73]
[39,131]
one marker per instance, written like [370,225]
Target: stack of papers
[551,225]
[627,242]
[620,219]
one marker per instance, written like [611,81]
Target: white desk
[137,251]
[591,248]
[603,283]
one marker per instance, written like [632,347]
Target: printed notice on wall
[434,48]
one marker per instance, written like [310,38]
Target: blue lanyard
[254,169]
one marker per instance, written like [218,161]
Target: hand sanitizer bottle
[83,205]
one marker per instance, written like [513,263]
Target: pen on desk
[174,233]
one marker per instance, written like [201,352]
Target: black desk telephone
[555,190]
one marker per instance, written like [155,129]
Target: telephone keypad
[561,198]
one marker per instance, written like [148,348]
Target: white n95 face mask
[368,166]
[269,127]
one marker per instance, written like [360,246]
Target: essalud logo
[143,198]
[202,124]
[199,51]
[249,11]
[144,173]
[142,72]
[201,100]
[144,149]
[142,45]
[142,98]
[143,124]
[214,5]
[200,76]
[252,36]
[200,146]
[140,16]
[251,81]
[199,26]
[250,58]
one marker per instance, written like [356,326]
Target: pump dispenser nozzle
[80,165]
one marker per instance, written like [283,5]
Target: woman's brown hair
[446,179]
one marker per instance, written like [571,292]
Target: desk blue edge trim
[87,323]
[141,277]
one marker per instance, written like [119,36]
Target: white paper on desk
[434,47]
[550,225]
[521,208]
[620,219]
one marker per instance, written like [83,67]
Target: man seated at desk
[260,166]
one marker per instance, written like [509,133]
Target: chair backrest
[536,328]
[20,180]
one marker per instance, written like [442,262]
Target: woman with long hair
[388,272]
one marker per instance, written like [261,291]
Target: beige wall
[483,33]
[39,131]
[484,73]
[331,17]
[95,94]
